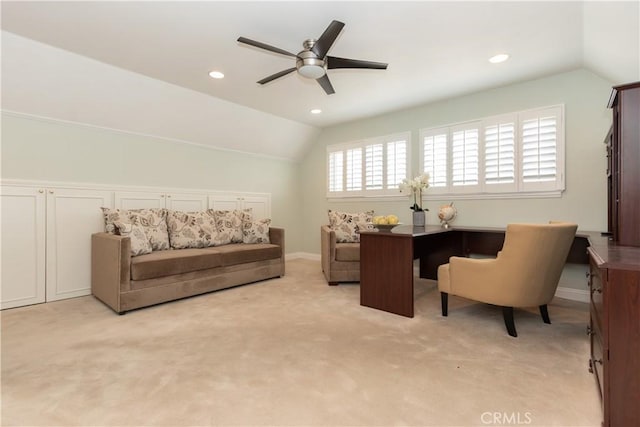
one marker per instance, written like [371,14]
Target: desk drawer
[596,289]
[596,362]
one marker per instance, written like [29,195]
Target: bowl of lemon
[385,222]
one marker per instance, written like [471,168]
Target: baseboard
[572,294]
[302,255]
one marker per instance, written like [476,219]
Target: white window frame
[389,189]
[516,189]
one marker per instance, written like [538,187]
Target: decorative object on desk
[447,213]
[414,188]
[385,223]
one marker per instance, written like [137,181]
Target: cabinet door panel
[186,202]
[260,206]
[224,202]
[72,217]
[138,200]
[23,246]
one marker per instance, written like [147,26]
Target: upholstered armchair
[524,274]
[340,261]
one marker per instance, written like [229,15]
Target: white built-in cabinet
[46,242]
[260,205]
[73,215]
[186,202]
[46,232]
[23,246]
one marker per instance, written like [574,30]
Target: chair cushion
[347,251]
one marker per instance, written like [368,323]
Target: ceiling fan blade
[323,44]
[326,84]
[264,46]
[333,63]
[277,75]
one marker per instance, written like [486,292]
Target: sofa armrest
[110,267]
[276,237]
[327,247]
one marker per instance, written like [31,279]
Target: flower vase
[419,218]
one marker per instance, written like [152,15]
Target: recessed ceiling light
[316,111]
[216,75]
[499,58]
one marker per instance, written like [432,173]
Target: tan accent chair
[340,261]
[524,274]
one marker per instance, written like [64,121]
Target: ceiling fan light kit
[312,62]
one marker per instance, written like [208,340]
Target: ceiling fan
[312,62]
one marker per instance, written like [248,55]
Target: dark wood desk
[386,259]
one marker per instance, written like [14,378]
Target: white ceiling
[435,50]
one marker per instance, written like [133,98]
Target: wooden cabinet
[623,169]
[614,283]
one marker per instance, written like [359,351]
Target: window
[373,167]
[520,153]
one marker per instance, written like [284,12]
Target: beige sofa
[125,283]
[340,261]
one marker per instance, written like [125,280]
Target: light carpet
[295,352]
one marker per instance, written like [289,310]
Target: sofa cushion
[347,251]
[153,220]
[191,229]
[139,241]
[345,224]
[167,263]
[229,225]
[256,231]
[239,253]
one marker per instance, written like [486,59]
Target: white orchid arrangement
[414,187]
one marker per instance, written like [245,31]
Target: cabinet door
[138,200]
[186,202]
[23,246]
[224,202]
[260,205]
[72,217]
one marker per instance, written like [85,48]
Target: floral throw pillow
[139,241]
[229,224]
[154,222]
[345,224]
[256,231]
[191,229]
[113,215]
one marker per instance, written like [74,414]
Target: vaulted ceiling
[435,50]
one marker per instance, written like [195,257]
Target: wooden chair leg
[444,301]
[545,314]
[507,313]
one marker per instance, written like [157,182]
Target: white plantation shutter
[434,157]
[540,140]
[465,156]
[373,167]
[396,163]
[335,171]
[374,162]
[353,170]
[500,154]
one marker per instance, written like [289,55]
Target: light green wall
[587,120]
[35,149]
